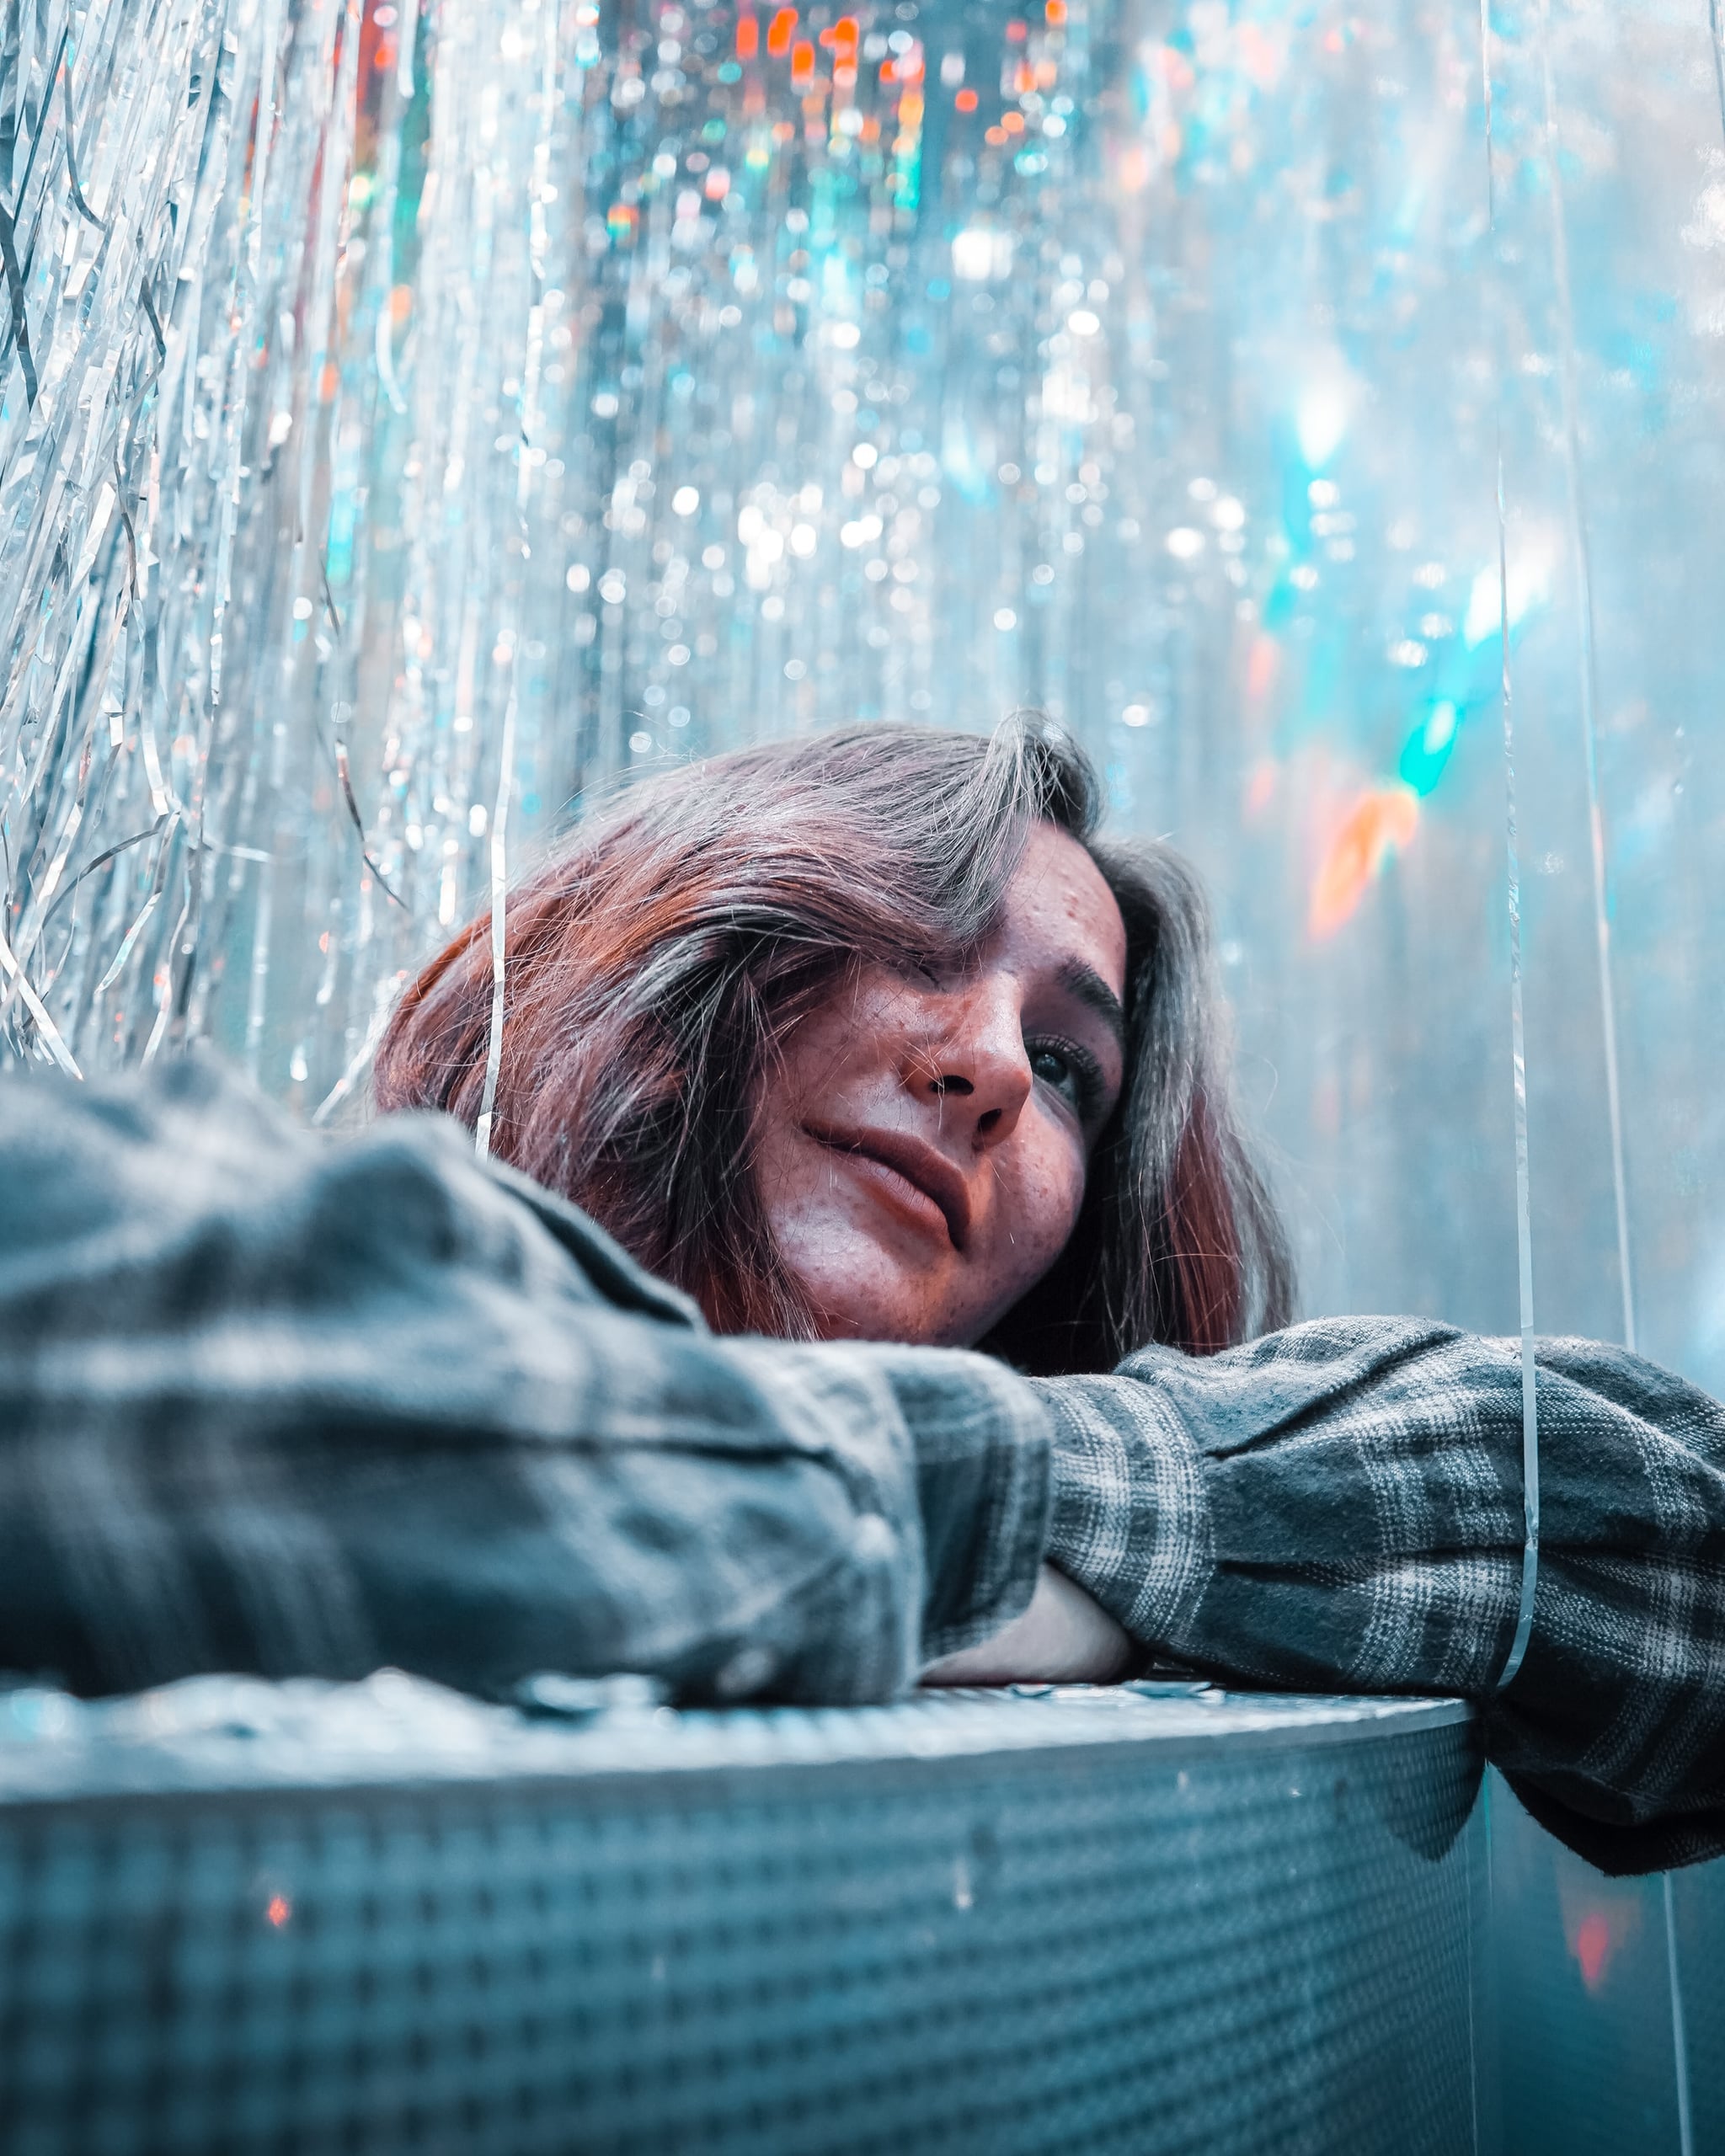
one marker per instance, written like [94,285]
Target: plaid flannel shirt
[277,1403]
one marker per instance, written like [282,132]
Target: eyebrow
[1088,987]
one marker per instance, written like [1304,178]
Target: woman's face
[923,1137]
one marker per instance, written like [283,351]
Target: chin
[908,1318]
[861,1288]
[897,1327]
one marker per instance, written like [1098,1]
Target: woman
[720,989]
[869,1037]
[868,1048]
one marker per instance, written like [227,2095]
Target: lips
[922,1165]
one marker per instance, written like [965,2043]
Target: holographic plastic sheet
[1608,2025]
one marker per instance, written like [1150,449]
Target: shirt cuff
[1129,1511]
[981,1438]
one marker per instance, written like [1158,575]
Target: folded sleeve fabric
[273,1403]
[1339,1507]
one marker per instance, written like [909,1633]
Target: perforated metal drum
[235,1917]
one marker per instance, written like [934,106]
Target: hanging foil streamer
[175,176]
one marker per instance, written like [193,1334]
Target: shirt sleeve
[1339,1508]
[277,1404]
[269,1403]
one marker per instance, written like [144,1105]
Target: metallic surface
[235,1917]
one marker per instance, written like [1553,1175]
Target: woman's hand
[1065,1637]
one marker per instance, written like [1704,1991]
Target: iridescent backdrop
[417,414]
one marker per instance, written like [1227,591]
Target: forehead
[1057,908]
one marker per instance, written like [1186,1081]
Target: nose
[975,1069]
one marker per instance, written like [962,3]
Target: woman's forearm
[276,1404]
[268,1404]
[1339,1507]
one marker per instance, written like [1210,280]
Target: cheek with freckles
[865,1279]
[1038,1190]
[867,1274]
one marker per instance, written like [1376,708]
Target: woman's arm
[274,1403]
[1339,1508]
[271,1404]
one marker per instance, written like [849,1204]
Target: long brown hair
[655,961]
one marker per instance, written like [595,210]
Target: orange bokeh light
[780,31]
[1382,823]
[1593,1949]
[748,37]
[1132,171]
[1261,662]
[966,101]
